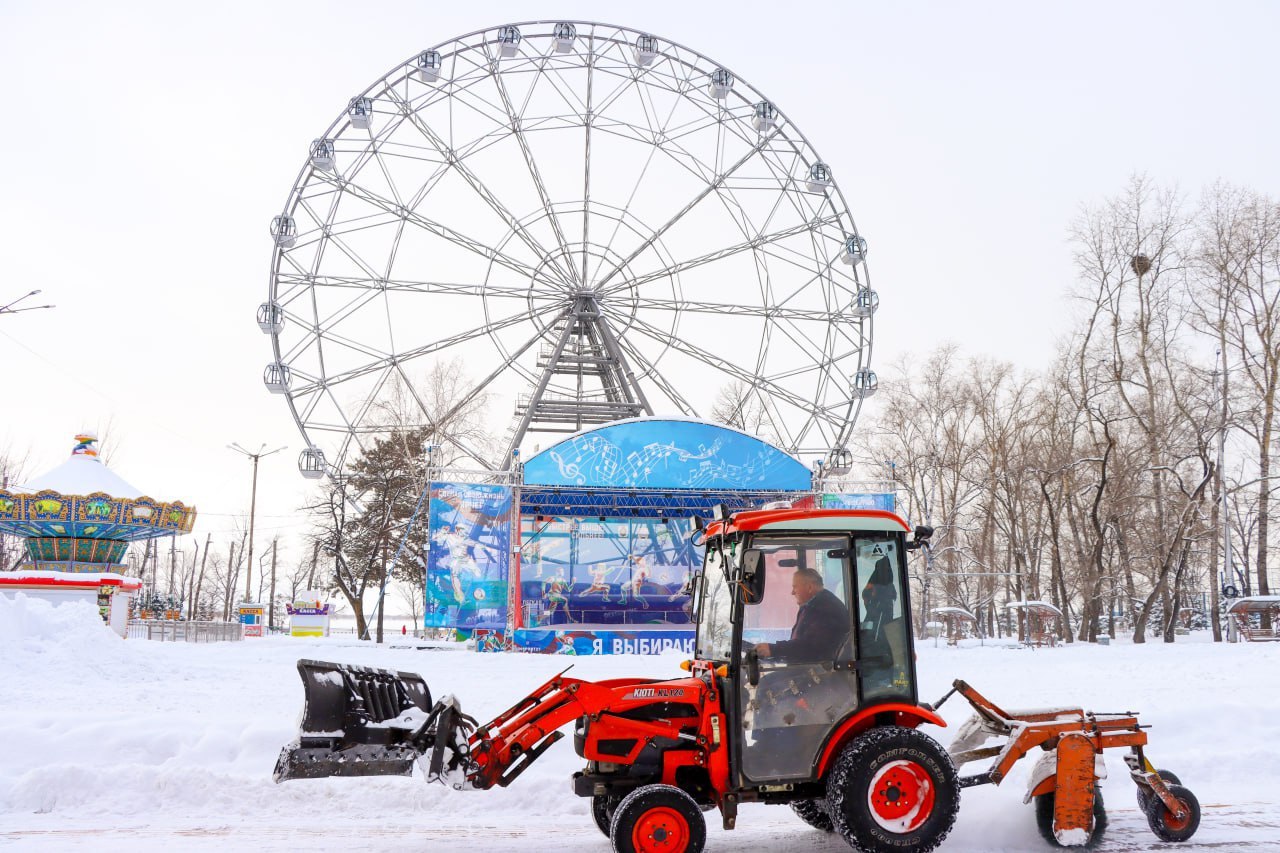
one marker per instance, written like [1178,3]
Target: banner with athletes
[605,570]
[468,562]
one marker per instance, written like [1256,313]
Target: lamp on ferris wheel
[9,309]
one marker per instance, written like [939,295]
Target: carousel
[77,522]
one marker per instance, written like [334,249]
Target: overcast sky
[147,145]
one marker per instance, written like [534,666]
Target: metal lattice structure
[594,223]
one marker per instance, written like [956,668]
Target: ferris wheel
[582,223]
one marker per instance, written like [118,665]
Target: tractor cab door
[885,653]
[797,677]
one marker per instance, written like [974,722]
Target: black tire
[906,762]
[602,809]
[814,813]
[1163,823]
[1144,796]
[1044,819]
[658,819]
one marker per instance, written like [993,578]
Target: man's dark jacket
[822,626]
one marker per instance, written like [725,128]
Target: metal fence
[189,632]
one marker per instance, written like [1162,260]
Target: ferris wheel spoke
[434,347]
[711,257]
[644,170]
[665,227]
[534,173]
[740,309]
[655,376]
[480,387]
[439,425]
[586,165]
[443,231]
[482,191]
[719,363]
[391,284]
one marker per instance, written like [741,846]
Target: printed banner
[624,571]
[867,500]
[597,642]
[469,556]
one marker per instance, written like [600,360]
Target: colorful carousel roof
[82,499]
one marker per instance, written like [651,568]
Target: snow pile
[34,626]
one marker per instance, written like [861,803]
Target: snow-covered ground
[140,746]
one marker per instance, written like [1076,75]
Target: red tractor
[802,691]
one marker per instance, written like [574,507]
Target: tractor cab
[810,611]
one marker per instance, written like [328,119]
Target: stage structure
[588,547]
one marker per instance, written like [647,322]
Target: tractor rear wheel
[658,819]
[1044,818]
[893,789]
[602,809]
[814,813]
[1165,824]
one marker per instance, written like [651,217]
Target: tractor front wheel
[1165,824]
[814,813]
[658,819]
[891,790]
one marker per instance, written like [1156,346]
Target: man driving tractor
[822,623]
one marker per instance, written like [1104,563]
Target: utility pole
[271,615]
[173,556]
[253,507]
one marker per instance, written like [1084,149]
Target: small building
[1247,618]
[959,623]
[1042,621]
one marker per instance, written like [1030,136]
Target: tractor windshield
[714,603]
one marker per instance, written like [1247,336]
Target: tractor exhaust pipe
[361,721]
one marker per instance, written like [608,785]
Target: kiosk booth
[253,617]
[308,616]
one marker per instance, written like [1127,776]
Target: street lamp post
[253,507]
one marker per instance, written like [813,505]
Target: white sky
[147,145]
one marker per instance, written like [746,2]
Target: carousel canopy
[82,512]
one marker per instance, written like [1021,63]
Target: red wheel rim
[660,830]
[901,796]
[1173,822]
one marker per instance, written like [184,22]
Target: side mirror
[752,577]
[923,535]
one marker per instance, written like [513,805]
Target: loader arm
[359,721]
[503,748]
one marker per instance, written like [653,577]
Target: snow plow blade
[358,721]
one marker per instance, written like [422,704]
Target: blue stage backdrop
[659,453]
[467,566]
[615,571]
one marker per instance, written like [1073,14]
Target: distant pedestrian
[403,630]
